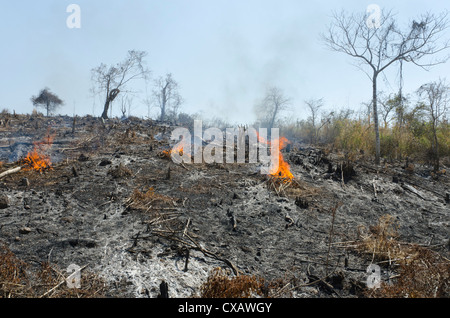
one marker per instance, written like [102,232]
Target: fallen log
[10,171]
[414,190]
[408,178]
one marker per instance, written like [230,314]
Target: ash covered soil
[115,203]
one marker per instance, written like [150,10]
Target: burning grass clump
[167,154]
[37,159]
[292,188]
[278,184]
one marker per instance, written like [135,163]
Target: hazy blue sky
[223,53]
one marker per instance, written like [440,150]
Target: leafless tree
[167,96]
[375,48]
[314,105]
[111,80]
[273,103]
[47,100]
[125,105]
[435,98]
[148,100]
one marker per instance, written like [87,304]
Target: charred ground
[116,205]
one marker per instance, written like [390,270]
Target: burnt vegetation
[115,204]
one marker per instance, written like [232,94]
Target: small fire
[37,159]
[283,171]
[178,148]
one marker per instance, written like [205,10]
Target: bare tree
[389,104]
[148,100]
[375,48]
[167,96]
[47,100]
[273,103]
[113,79]
[435,98]
[125,105]
[314,106]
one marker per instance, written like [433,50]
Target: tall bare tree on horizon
[314,106]
[167,96]
[377,46]
[435,99]
[113,79]
[270,107]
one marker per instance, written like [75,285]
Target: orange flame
[37,159]
[283,171]
[176,149]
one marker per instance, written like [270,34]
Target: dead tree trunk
[109,98]
[375,118]
[163,290]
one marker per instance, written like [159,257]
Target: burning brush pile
[177,149]
[36,160]
[280,176]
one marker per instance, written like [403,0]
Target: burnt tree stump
[163,290]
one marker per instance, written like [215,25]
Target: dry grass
[120,171]
[117,136]
[219,284]
[290,187]
[13,276]
[278,184]
[381,240]
[19,280]
[421,272]
[161,210]
[425,275]
[302,189]
[149,200]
